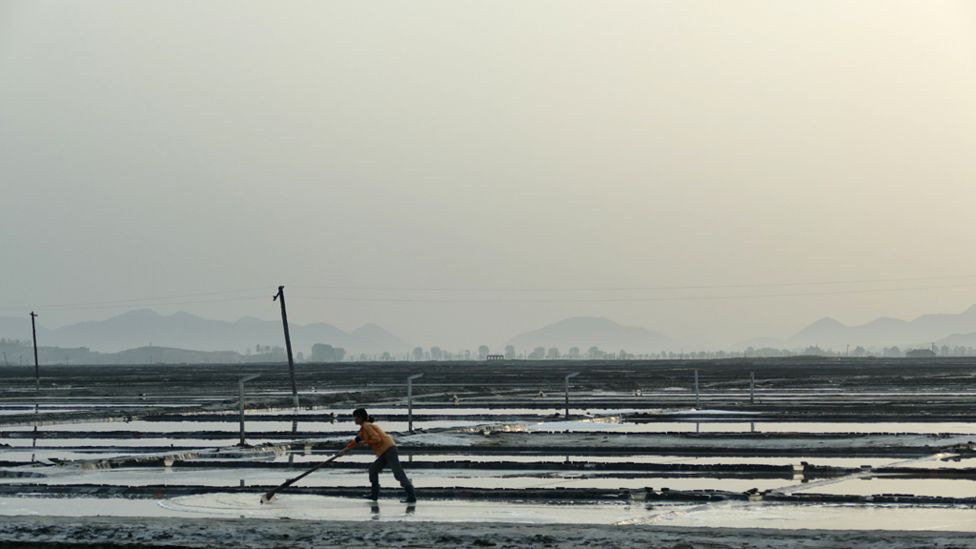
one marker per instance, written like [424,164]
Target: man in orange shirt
[386,454]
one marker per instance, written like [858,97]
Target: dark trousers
[391,459]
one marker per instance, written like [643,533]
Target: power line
[145,302]
[628,299]
[630,288]
[189,299]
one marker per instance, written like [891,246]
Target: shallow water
[232,426]
[424,478]
[176,443]
[406,456]
[821,517]
[307,507]
[958,488]
[758,427]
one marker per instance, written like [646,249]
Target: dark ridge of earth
[93,532]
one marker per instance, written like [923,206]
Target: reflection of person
[386,454]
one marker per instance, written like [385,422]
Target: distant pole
[37,367]
[752,387]
[410,400]
[280,297]
[566,387]
[697,394]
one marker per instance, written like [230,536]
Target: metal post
[410,400]
[752,387]
[566,387]
[37,368]
[240,384]
[697,393]
[280,296]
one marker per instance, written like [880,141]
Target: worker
[385,449]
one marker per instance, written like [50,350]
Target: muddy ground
[214,381]
[119,533]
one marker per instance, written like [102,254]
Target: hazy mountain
[377,337]
[19,328]
[762,343]
[186,331]
[829,333]
[958,340]
[584,332]
[140,328]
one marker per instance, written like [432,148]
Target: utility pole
[280,296]
[37,367]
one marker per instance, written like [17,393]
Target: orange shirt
[371,434]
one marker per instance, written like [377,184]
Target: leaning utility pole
[37,368]
[280,296]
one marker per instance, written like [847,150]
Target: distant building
[920,353]
[495,357]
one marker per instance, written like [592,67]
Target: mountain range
[584,332]
[828,333]
[144,327]
[187,331]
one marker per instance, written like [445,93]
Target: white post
[752,387]
[697,394]
[566,387]
[240,384]
[410,400]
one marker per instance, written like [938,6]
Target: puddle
[330,508]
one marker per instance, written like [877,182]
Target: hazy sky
[172,148]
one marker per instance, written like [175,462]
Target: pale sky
[184,148]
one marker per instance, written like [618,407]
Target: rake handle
[289,482]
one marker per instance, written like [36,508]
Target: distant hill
[829,333]
[21,353]
[19,328]
[186,331]
[584,332]
[958,340]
